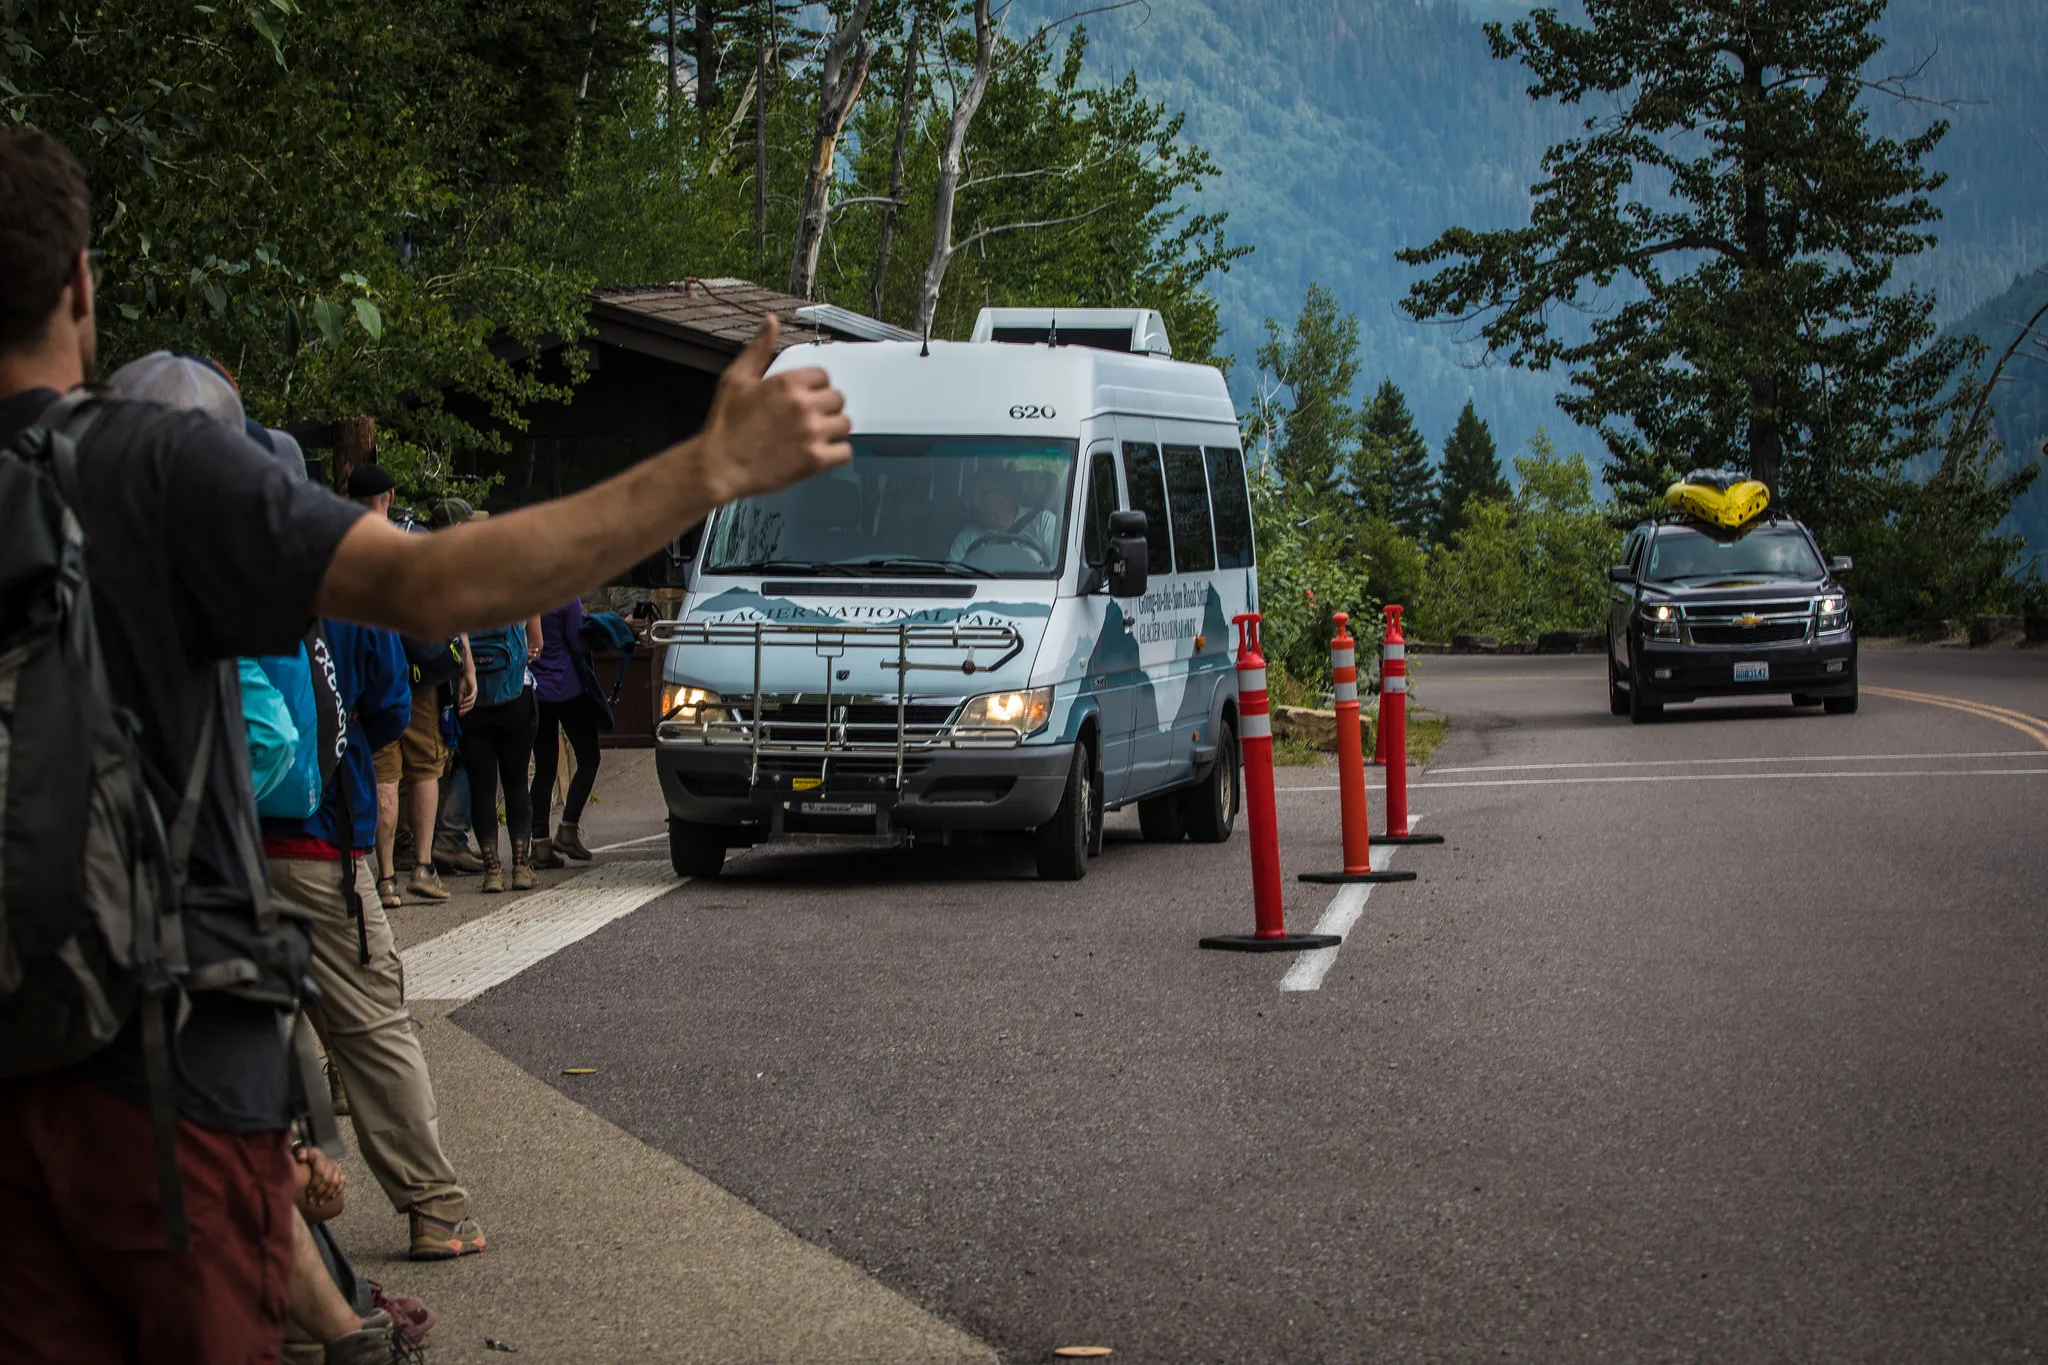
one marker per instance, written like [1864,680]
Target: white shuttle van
[1010,611]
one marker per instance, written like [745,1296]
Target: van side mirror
[1620,573]
[1841,564]
[1125,568]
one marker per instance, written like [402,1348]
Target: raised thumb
[752,363]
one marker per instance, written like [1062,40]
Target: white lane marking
[630,843]
[1345,907]
[473,957]
[1782,758]
[1704,777]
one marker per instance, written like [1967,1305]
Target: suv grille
[1769,633]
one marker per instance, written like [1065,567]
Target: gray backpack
[95,916]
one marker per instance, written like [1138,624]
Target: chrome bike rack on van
[766,733]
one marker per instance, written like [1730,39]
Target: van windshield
[964,506]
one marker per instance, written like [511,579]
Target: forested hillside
[1346,129]
[2022,394]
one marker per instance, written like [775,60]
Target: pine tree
[1318,365]
[1390,475]
[1471,469]
[1730,189]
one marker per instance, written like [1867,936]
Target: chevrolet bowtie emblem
[1751,620]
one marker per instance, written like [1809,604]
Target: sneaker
[569,842]
[336,1091]
[450,856]
[425,884]
[437,1239]
[387,892]
[379,1342]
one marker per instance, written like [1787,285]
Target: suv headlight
[684,704]
[1834,614]
[1024,712]
[1660,621]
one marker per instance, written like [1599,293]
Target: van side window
[1148,495]
[1232,505]
[1194,548]
[1102,500]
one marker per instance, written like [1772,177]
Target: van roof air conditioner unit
[1140,331]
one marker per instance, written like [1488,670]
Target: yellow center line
[2030,726]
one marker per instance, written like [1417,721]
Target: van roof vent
[1140,331]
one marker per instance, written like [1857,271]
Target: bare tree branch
[972,238]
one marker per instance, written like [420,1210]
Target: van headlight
[1024,712]
[1660,621]
[1834,614]
[686,704]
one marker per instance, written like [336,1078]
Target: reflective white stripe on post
[1256,726]
[1393,684]
[1251,680]
[1343,658]
[1347,691]
[1397,651]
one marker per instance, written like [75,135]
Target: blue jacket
[374,680]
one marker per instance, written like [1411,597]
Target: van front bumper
[948,789]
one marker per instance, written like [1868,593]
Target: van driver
[994,518]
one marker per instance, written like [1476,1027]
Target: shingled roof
[704,323]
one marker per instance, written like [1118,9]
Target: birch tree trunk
[761,42]
[906,94]
[839,84]
[950,167]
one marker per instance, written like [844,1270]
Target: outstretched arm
[762,434]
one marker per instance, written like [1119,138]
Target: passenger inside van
[997,516]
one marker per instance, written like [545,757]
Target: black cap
[368,480]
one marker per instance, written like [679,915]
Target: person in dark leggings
[559,689]
[497,746]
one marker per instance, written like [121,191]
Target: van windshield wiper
[818,566]
[919,564]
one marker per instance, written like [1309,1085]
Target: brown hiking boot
[494,880]
[569,842]
[451,856]
[437,1239]
[425,884]
[544,855]
[522,866]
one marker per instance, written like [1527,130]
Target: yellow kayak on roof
[1719,497]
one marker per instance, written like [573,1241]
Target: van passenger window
[1102,500]
[1148,495]
[1194,548]
[1232,506]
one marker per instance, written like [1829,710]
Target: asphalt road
[1718,1039]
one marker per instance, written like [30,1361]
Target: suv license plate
[837,808]
[1757,672]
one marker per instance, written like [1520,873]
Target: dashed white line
[630,843]
[1345,907]
[485,952]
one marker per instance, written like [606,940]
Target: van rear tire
[695,850]
[1162,819]
[1209,810]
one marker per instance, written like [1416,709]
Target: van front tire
[1209,809]
[695,850]
[1061,843]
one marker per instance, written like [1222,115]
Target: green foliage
[1471,469]
[1317,364]
[1390,474]
[1521,566]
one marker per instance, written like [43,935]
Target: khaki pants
[371,1038]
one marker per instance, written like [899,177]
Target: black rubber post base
[1407,838]
[1348,878]
[1251,943]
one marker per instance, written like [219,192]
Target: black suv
[1699,612]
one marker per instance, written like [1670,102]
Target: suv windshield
[967,506]
[1682,553]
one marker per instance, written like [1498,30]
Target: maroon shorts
[85,1273]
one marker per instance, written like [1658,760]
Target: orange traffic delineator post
[1351,801]
[1394,724]
[1255,739]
